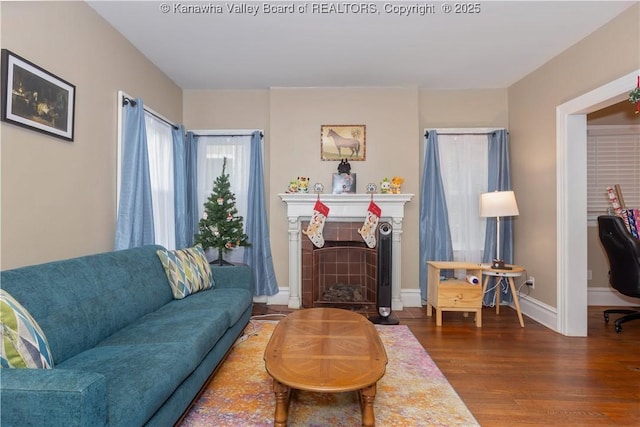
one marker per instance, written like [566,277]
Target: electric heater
[383,300]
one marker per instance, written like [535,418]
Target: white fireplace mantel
[344,207]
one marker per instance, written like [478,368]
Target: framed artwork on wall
[338,142]
[35,99]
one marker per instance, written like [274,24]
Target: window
[212,150]
[613,157]
[160,158]
[463,166]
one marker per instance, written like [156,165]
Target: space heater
[383,300]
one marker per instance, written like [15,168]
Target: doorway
[571,217]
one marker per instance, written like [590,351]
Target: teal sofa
[125,352]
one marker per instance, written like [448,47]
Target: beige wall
[621,113]
[464,108]
[597,261]
[58,198]
[226,109]
[605,55]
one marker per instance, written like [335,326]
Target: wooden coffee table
[327,350]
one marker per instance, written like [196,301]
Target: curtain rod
[461,133]
[126,100]
[426,134]
[232,133]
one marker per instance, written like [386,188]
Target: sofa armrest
[237,276]
[52,397]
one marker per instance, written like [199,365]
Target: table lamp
[497,204]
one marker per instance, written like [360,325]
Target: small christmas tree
[220,226]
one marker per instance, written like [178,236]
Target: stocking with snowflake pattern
[316,225]
[368,229]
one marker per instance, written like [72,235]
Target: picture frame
[338,142]
[36,99]
[343,183]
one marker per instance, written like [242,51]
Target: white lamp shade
[498,203]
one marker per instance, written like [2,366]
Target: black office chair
[623,251]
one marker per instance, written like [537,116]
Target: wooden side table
[515,271]
[453,294]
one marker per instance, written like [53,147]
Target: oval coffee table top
[325,350]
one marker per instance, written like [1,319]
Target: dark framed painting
[338,142]
[35,99]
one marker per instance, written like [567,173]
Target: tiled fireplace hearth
[342,272]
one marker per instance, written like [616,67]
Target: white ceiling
[493,48]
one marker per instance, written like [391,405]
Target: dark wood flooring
[532,376]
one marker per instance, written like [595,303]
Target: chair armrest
[52,397]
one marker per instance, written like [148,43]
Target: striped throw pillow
[24,345]
[188,270]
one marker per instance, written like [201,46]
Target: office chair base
[629,315]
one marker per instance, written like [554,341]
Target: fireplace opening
[346,275]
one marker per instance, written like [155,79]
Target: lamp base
[498,264]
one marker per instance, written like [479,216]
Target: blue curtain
[435,236]
[180,185]
[499,180]
[258,255]
[135,214]
[185,153]
[191,160]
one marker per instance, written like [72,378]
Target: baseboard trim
[409,297]
[281,298]
[539,311]
[606,296]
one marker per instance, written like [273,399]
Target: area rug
[413,391]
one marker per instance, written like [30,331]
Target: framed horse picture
[339,142]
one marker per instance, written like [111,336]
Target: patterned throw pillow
[187,269]
[23,342]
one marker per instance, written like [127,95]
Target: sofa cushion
[196,328]
[234,301]
[24,345]
[188,270]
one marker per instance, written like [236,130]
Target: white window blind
[613,157]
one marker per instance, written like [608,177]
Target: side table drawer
[459,294]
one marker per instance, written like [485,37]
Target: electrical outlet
[531,282]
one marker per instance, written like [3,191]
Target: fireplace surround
[343,208]
[343,273]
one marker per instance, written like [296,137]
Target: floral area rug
[413,391]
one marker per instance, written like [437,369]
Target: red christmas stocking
[368,229]
[316,225]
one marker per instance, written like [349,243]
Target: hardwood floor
[532,376]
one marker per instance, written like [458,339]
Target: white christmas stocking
[368,229]
[316,225]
